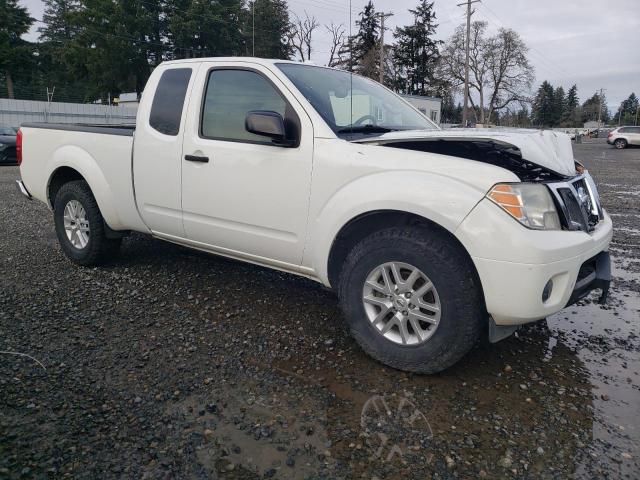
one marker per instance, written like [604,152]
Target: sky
[591,43]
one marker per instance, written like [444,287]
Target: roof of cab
[262,61]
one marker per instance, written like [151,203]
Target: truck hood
[545,148]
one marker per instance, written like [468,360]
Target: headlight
[529,203]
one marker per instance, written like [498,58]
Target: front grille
[578,202]
[574,214]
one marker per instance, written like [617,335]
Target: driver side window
[229,96]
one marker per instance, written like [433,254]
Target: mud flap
[500,332]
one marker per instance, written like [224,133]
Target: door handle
[196,158]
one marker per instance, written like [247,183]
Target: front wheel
[80,226]
[412,299]
[620,143]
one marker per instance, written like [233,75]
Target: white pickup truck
[430,237]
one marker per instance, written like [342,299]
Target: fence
[14,113]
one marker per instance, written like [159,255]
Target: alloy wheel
[401,303]
[76,224]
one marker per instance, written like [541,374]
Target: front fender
[80,160]
[436,197]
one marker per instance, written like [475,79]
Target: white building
[431,107]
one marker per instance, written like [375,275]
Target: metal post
[382,17]
[600,109]
[466,61]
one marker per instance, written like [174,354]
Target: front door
[243,195]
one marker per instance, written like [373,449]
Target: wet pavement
[170,363]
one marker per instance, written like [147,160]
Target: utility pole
[600,109]
[382,17]
[253,28]
[466,61]
[635,122]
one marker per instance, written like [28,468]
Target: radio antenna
[350,71]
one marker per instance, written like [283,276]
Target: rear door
[634,135]
[158,148]
[250,198]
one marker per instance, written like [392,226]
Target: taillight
[19,147]
[610,135]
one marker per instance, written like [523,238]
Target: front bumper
[515,264]
[594,274]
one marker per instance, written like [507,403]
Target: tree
[62,50]
[500,73]
[302,35]
[273,29]
[571,116]
[16,53]
[416,52]
[359,53]
[337,43]
[627,111]
[559,106]
[207,27]
[594,108]
[542,112]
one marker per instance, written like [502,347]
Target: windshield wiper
[366,129]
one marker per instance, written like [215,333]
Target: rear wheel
[80,227]
[620,143]
[412,299]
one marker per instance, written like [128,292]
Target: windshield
[353,104]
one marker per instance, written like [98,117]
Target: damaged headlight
[529,203]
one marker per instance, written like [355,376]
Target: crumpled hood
[546,148]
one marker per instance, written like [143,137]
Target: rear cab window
[168,101]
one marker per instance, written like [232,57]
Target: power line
[551,66]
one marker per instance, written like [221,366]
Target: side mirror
[268,124]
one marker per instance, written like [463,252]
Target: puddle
[607,340]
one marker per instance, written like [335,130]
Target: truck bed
[101,154]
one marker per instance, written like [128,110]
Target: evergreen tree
[571,117]
[416,51]
[15,54]
[208,28]
[63,52]
[359,53]
[627,111]
[272,29]
[542,111]
[559,106]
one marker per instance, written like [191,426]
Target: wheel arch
[58,178]
[367,223]
[71,163]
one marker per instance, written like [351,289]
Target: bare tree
[302,33]
[338,38]
[500,73]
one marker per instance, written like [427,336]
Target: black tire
[620,143]
[99,249]
[463,314]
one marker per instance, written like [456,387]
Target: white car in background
[622,137]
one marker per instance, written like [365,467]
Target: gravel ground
[173,364]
